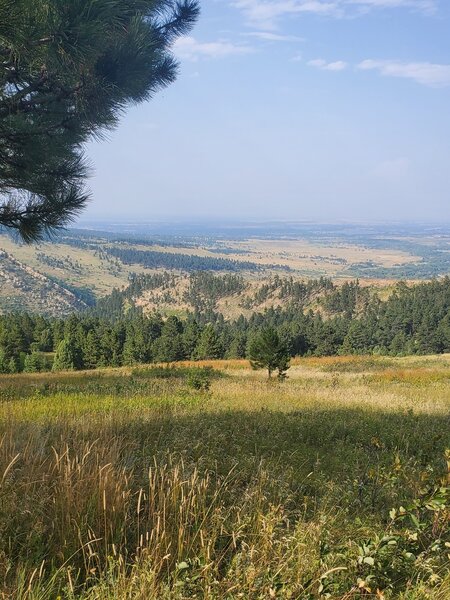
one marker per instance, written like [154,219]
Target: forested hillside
[230,295]
[165,270]
[346,320]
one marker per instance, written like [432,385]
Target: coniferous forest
[348,320]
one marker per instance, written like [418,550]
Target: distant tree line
[152,259]
[288,289]
[414,320]
[205,289]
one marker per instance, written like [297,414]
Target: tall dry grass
[114,486]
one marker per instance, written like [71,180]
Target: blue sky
[291,109]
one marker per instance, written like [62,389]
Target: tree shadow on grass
[346,462]
[364,458]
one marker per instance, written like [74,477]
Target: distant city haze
[288,111]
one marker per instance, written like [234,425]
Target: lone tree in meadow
[267,351]
[68,69]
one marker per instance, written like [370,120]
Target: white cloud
[266,14]
[188,48]
[269,36]
[425,73]
[319,63]
[426,6]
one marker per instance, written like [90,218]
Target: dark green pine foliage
[414,320]
[237,347]
[112,340]
[357,340]
[135,349]
[68,69]
[4,362]
[68,356]
[91,350]
[169,347]
[13,366]
[399,344]
[36,362]
[208,346]
[191,334]
[267,351]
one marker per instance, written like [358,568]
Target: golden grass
[233,365]
[117,486]
[417,376]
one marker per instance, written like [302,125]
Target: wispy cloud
[266,14]
[270,36]
[425,73]
[320,63]
[188,48]
[426,6]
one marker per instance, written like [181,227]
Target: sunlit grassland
[121,484]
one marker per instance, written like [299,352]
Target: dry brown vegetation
[129,484]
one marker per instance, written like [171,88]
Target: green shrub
[200,379]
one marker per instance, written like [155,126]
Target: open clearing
[130,484]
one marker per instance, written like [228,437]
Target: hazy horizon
[265,227]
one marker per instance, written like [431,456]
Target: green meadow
[143,483]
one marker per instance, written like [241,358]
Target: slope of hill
[24,288]
[232,295]
[91,264]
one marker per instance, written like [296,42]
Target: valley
[76,268]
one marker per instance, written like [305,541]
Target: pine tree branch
[14,101]
[66,74]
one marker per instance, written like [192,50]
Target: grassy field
[132,484]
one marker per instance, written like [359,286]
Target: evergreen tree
[326,338]
[399,344]
[35,363]
[237,346]
[357,339]
[91,350]
[134,349]
[266,351]
[13,365]
[67,357]
[67,71]
[44,340]
[4,366]
[169,347]
[13,338]
[208,346]
[111,341]
[191,334]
